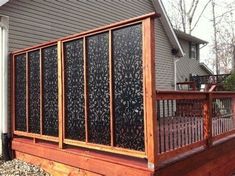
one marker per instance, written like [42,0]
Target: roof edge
[2,2]
[206,68]
[182,35]
[159,8]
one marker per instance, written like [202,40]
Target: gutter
[175,71]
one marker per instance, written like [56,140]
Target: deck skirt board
[86,160]
[53,167]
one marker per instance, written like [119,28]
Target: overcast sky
[204,28]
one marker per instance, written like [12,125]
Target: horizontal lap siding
[163,59]
[35,22]
[187,66]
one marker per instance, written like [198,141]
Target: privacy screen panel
[128,87]
[74,90]
[20,92]
[50,91]
[98,89]
[34,91]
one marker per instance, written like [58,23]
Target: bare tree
[215,38]
[224,38]
[186,16]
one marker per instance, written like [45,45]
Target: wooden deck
[72,121]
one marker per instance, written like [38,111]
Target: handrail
[181,114]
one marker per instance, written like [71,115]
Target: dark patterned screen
[128,87]
[50,91]
[98,89]
[34,91]
[20,92]
[74,90]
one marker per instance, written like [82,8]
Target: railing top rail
[192,94]
[106,27]
[180,95]
[201,76]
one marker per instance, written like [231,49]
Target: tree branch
[199,17]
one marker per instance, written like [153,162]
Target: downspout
[6,149]
[175,71]
[1,58]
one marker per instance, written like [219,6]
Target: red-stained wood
[181,150]
[27,91]
[99,163]
[179,95]
[41,91]
[36,136]
[206,120]
[85,87]
[13,93]
[149,93]
[111,88]
[110,149]
[215,161]
[60,93]
[223,135]
[63,88]
[53,167]
[221,95]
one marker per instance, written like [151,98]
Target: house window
[193,51]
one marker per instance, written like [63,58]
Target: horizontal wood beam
[83,159]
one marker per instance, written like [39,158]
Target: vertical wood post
[27,91]
[149,92]
[207,120]
[85,87]
[111,89]
[233,111]
[41,91]
[12,72]
[60,93]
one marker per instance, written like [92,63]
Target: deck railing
[188,120]
[96,90]
[208,79]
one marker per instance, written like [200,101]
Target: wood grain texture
[60,94]
[13,94]
[218,160]
[90,161]
[41,91]
[52,167]
[149,91]
[27,91]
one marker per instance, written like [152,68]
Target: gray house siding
[186,66]
[36,21]
[164,67]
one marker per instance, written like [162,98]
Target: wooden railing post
[60,93]
[149,93]
[233,111]
[207,120]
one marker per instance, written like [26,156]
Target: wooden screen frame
[26,133]
[87,144]
[150,126]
